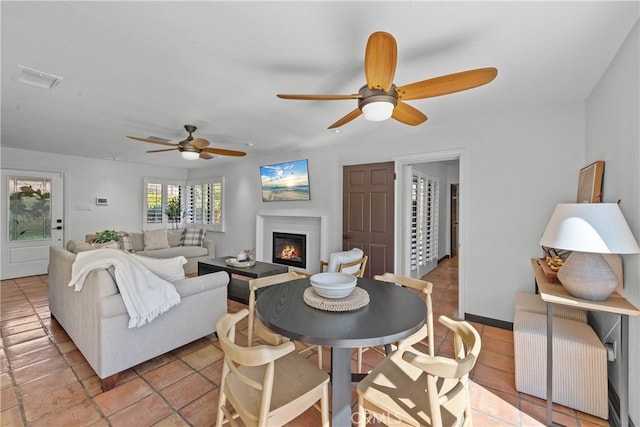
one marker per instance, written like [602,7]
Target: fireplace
[290,249]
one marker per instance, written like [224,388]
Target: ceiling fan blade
[319,97]
[199,142]
[153,141]
[160,151]
[346,119]
[444,85]
[408,115]
[223,152]
[206,156]
[380,60]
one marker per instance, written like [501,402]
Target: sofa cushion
[186,251]
[137,241]
[193,236]
[169,269]
[174,237]
[155,239]
[76,246]
[125,241]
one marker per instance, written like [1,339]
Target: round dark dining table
[393,313]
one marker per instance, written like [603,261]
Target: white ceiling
[148,68]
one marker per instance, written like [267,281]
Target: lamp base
[588,276]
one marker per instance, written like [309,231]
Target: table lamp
[589,229]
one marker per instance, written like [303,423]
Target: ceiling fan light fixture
[378,111]
[190,155]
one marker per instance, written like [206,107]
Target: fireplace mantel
[313,224]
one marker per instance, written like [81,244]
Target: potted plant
[107,236]
[173,211]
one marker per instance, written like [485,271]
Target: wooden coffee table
[238,289]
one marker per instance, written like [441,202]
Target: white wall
[613,135]
[85,179]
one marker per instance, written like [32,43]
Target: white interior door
[31,214]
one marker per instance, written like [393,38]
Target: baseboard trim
[447,256]
[501,324]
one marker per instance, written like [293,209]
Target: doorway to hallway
[447,168]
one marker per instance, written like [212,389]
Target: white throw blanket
[145,295]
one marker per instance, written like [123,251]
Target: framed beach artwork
[287,181]
[590,183]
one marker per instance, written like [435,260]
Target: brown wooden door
[367,213]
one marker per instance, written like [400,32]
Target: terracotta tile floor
[46,381]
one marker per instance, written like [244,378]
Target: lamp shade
[589,227]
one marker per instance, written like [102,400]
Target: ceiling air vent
[37,78]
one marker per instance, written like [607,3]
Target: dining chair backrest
[353,262]
[256,330]
[397,386]
[448,379]
[425,289]
[266,385]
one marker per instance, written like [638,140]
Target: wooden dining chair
[257,331]
[425,289]
[353,262]
[417,389]
[266,385]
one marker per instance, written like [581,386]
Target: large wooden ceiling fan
[380,99]
[191,148]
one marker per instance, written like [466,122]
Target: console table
[238,289]
[554,293]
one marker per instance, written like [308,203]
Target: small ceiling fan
[191,148]
[380,99]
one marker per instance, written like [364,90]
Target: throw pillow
[193,237]
[155,239]
[169,269]
[125,241]
[175,237]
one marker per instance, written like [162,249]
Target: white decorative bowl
[333,285]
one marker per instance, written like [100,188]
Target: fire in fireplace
[290,249]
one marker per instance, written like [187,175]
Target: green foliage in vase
[107,236]
[173,211]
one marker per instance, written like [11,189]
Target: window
[29,208]
[205,204]
[161,197]
[196,203]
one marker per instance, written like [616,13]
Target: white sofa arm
[210,247]
[198,284]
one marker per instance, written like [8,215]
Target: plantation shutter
[423,221]
[204,203]
[154,203]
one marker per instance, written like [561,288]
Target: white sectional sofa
[192,253]
[96,318]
